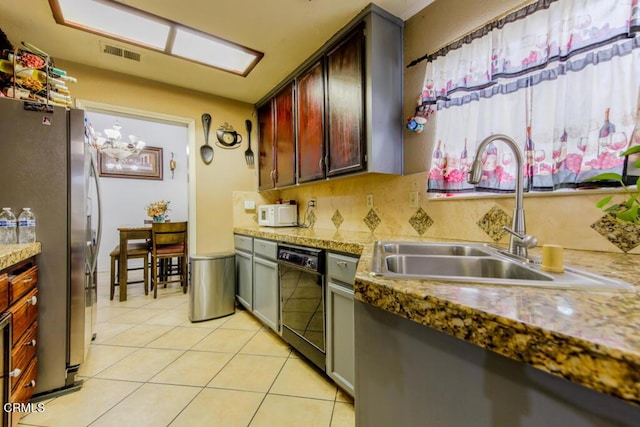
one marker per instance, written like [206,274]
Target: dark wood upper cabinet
[285,138]
[266,151]
[277,144]
[345,105]
[310,120]
[343,113]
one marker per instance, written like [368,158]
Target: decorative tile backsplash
[337,219]
[420,221]
[565,220]
[625,236]
[372,220]
[493,221]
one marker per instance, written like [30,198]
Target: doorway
[124,199]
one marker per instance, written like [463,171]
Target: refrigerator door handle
[94,171]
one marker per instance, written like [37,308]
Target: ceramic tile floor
[150,366]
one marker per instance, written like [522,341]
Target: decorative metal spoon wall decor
[206,151]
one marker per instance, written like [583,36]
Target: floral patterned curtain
[561,77]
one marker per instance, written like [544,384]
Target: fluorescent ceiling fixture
[116,22]
[203,48]
[121,22]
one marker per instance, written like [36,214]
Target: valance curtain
[561,77]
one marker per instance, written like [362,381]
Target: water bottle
[8,235]
[26,226]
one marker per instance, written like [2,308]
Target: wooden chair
[134,250]
[167,265]
[168,240]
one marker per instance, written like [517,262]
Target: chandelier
[114,146]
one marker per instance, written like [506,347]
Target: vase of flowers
[158,210]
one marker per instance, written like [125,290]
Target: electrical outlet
[369,201]
[312,203]
[413,199]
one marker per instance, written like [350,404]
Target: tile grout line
[216,374]
[116,404]
[267,393]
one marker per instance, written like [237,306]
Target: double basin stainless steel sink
[477,263]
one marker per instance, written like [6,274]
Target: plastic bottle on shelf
[8,235]
[26,226]
[62,74]
[69,79]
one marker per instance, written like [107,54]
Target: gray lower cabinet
[266,292]
[341,271]
[409,374]
[244,270]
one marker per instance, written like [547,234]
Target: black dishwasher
[301,277]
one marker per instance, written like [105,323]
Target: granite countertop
[13,254]
[589,337]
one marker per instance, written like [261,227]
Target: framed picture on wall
[146,165]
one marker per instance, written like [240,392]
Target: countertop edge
[605,370]
[13,254]
[298,236]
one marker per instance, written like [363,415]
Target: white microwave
[278,215]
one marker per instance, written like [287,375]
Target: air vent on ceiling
[119,51]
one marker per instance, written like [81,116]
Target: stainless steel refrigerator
[46,164]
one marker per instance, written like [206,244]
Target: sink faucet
[519,241]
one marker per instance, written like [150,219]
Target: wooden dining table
[127,233]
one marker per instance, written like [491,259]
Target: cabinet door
[285,138]
[310,119]
[266,295]
[340,336]
[244,278]
[345,105]
[266,151]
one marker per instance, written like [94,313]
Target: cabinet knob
[16,372]
[341,264]
[32,343]
[32,301]
[28,280]
[31,383]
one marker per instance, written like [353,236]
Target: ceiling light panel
[209,50]
[123,22]
[110,19]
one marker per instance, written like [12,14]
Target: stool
[134,250]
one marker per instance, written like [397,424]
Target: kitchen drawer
[4,292]
[243,243]
[24,389]
[265,248]
[23,352]
[341,268]
[21,283]
[24,313]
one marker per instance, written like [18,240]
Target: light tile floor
[150,366]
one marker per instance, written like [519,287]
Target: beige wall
[559,219]
[214,183]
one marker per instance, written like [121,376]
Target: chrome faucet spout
[475,175]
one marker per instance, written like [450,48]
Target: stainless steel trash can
[211,286]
